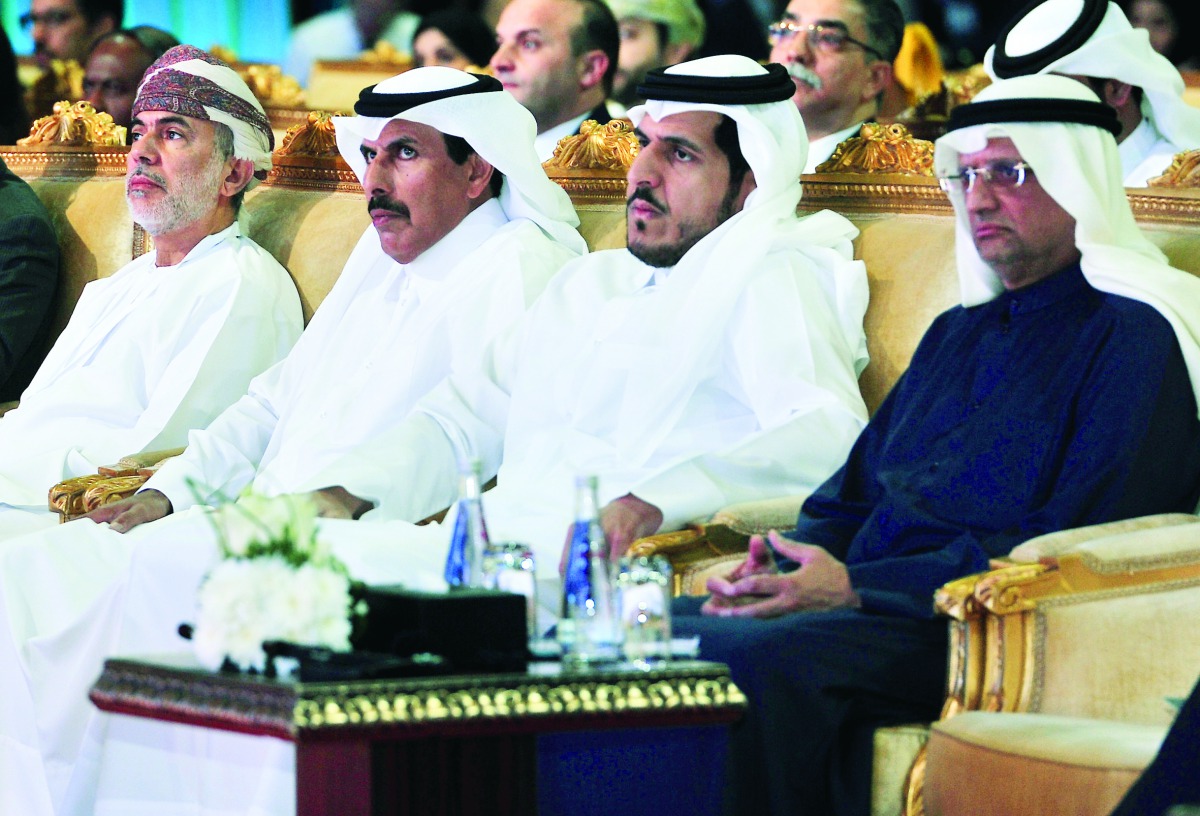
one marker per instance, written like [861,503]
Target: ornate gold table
[604,740]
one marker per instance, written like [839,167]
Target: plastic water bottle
[588,629]
[469,539]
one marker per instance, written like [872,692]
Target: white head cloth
[711,276]
[496,127]
[1079,167]
[194,83]
[1115,50]
[683,18]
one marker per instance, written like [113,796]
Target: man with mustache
[466,231]
[1062,393]
[166,343]
[714,360]
[840,54]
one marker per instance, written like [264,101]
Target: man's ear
[1117,93]
[479,175]
[747,187]
[880,78]
[239,175]
[593,65]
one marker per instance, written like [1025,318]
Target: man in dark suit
[28,279]
[559,59]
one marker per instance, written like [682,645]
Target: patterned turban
[191,82]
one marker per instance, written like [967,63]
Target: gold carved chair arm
[701,550]
[695,553]
[1006,624]
[72,498]
[1108,599]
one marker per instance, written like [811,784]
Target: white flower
[276,582]
[236,530]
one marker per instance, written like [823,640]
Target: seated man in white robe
[174,337]
[467,231]
[1092,41]
[714,361]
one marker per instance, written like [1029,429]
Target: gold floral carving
[271,86]
[75,125]
[66,497]
[315,137]
[111,490]
[1183,172]
[880,148]
[957,598]
[596,147]
[308,158]
[1002,591]
[384,53]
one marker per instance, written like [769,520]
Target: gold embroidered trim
[287,709]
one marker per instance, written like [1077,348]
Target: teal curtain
[256,30]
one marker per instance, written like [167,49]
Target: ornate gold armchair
[1083,645]
[1076,624]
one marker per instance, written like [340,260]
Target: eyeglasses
[830,38]
[50,19]
[1002,175]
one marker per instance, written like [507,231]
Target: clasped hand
[757,589]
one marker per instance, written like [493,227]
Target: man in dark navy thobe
[1060,394]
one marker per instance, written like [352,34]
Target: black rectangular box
[474,630]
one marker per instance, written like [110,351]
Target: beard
[691,233]
[192,198]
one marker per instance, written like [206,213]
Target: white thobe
[384,336]
[148,354]
[1146,153]
[773,413]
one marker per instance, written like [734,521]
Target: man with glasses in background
[839,54]
[1062,393]
[66,29]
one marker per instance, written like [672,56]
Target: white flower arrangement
[276,581]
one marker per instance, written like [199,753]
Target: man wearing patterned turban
[160,347]
[606,374]
[466,232]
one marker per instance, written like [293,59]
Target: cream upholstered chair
[1086,640]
